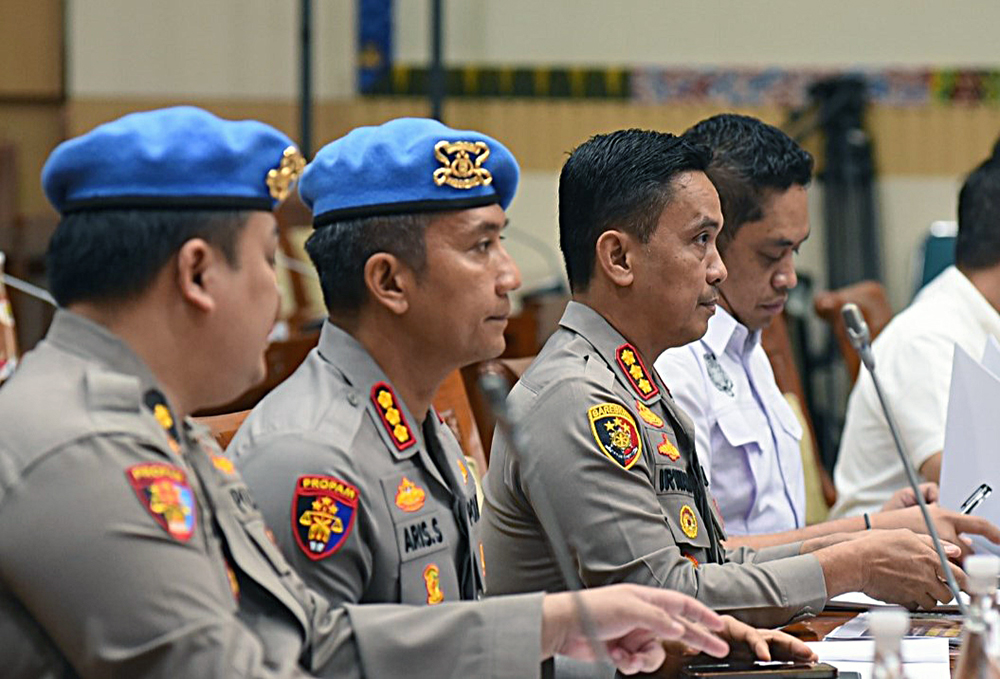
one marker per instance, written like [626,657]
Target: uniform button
[352,398]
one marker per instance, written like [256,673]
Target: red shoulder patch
[323,512]
[392,416]
[164,491]
[629,360]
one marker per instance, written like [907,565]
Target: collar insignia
[718,376]
[462,468]
[689,522]
[164,491]
[432,581]
[648,416]
[280,179]
[323,512]
[667,448]
[615,433]
[409,496]
[463,164]
[635,371]
[157,403]
[392,416]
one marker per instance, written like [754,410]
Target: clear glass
[980,652]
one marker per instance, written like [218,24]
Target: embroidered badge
[615,433]
[323,512]
[648,416]
[689,522]
[164,491]
[463,164]
[157,403]
[666,447]
[461,468]
[280,179]
[392,416]
[693,560]
[432,581]
[223,464]
[631,363]
[409,496]
[718,376]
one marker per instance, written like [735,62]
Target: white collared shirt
[913,357]
[746,433]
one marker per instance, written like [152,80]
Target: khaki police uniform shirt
[401,508]
[130,547]
[608,462]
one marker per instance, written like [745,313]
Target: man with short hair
[746,433]
[407,245]
[609,461]
[129,545]
[914,355]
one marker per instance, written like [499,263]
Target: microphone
[495,388]
[857,331]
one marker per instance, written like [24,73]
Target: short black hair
[114,255]
[622,180]
[978,243]
[340,250]
[749,159]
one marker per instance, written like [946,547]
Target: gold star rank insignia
[389,411]
[628,359]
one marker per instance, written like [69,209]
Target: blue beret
[406,166]
[180,157]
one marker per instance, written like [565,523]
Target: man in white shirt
[913,355]
[747,436]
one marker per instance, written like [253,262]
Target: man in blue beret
[366,488]
[130,546]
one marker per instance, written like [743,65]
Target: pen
[973,501]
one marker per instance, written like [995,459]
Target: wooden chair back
[778,347]
[223,426]
[874,304]
[452,404]
[282,358]
[509,368]
[8,336]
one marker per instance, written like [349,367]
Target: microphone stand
[495,388]
[857,331]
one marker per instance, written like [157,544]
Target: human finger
[785,646]
[976,525]
[682,605]
[647,658]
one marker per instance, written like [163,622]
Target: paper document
[972,437]
[859,601]
[922,658]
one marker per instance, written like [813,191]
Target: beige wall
[239,57]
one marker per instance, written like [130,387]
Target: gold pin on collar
[281,179]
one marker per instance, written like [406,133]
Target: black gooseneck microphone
[858,333]
[495,388]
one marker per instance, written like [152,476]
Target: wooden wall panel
[31,49]
[926,140]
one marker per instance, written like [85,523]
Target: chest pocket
[685,522]
[425,534]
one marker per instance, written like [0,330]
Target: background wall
[239,57]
